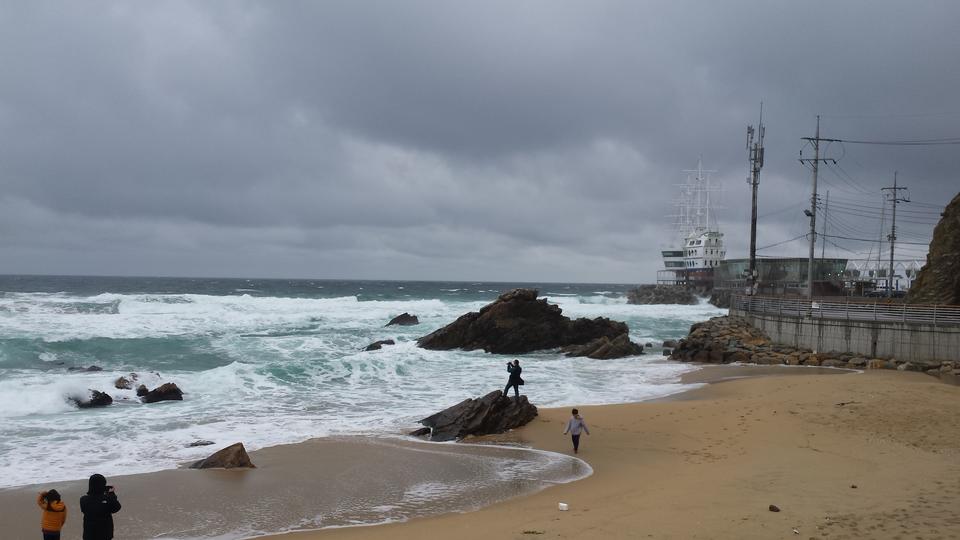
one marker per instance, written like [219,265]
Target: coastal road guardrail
[849,310]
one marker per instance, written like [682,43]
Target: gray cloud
[438,140]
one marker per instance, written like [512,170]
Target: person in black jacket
[515,381]
[98,507]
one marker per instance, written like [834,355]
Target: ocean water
[269,362]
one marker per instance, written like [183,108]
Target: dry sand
[871,455]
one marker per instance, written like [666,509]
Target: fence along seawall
[915,333]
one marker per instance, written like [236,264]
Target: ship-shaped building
[697,247]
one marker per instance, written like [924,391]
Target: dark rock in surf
[604,348]
[518,323]
[377,345]
[165,392]
[89,369]
[142,390]
[200,443]
[95,399]
[493,413]
[123,383]
[232,457]
[404,319]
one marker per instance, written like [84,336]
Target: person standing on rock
[574,426]
[98,507]
[515,381]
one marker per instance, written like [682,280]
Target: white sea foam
[287,369]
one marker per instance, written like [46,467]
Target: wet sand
[333,482]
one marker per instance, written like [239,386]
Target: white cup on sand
[562,507]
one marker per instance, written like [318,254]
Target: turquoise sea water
[269,362]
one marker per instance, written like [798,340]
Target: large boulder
[94,399]
[165,392]
[231,457]
[493,413]
[518,323]
[404,319]
[939,280]
[604,348]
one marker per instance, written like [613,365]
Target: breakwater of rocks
[731,339]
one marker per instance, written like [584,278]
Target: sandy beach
[865,455]
[862,455]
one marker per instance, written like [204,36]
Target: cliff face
[939,279]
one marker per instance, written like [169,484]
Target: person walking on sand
[515,381]
[98,507]
[54,514]
[574,426]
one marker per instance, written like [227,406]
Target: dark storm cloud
[534,140]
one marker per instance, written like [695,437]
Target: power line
[781,243]
[874,240]
[918,142]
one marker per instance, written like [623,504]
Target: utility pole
[812,213]
[894,199]
[755,156]
[823,242]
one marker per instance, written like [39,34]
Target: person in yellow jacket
[54,514]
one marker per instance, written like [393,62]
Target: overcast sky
[508,141]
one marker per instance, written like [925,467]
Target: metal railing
[849,310]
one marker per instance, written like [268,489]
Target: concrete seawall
[915,342]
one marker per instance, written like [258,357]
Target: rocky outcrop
[165,392]
[404,319]
[377,345]
[604,348]
[939,280]
[662,294]
[231,457]
[493,413]
[94,399]
[721,298]
[726,340]
[142,390]
[518,323]
[89,369]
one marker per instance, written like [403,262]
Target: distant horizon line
[519,282]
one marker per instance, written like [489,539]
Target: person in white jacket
[574,426]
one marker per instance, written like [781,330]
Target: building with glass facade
[781,275]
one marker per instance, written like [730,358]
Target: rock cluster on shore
[519,323]
[730,339]
[662,294]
